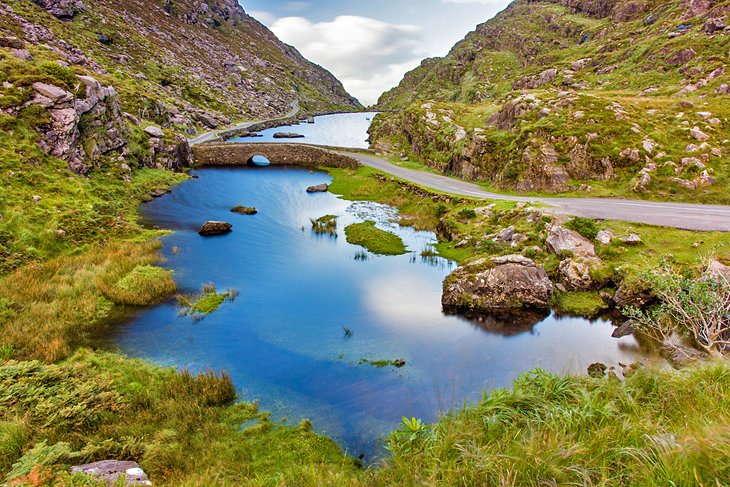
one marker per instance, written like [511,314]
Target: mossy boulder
[507,284]
[215,228]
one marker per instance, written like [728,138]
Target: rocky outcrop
[80,128]
[63,9]
[506,284]
[579,258]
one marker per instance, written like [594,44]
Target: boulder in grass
[113,472]
[215,228]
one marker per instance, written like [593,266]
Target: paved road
[677,215]
[243,125]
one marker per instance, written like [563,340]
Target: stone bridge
[284,154]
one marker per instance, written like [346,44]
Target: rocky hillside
[612,98]
[110,90]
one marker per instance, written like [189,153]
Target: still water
[340,130]
[282,340]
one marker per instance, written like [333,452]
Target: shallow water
[340,130]
[282,340]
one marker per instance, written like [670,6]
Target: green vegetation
[374,239]
[696,309]
[584,226]
[325,225]
[653,428]
[142,286]
[181,427]
[205,303]
[589,303]
[397,363]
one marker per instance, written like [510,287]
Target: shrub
[584,226]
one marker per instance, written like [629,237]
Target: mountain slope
[110,90]
[616,98]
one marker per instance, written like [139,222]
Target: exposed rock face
[63,9]
[579,258]
[499,285]
[215,228]
[80,128]
[112,472]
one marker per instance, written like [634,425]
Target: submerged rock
[215,228]
[113,472]
[510,283]
[319,188]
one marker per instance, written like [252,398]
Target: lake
[283,341]
[340,130]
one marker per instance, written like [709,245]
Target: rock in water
[319,188]
[287,135]
[505,284]
[215,228]
[244,210]
[111,471]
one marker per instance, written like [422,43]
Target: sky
[370,44]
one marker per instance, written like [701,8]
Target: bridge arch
[240,153]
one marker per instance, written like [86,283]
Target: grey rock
[605,237]
[633,239]
[112,472]
[153,131]
[625,329]
[319,188]
[287,135]
[562,241]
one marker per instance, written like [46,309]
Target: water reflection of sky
[282,340]
[343,130]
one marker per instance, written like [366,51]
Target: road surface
[676,215]
[243,125]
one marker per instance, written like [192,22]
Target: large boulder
[507,284]
[578,256]
[113,472]
[565,242]
[318,188]
[215,228]
[62,9]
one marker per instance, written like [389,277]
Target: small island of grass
[205,303]
[374,239]
[325,225]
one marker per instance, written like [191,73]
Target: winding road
[243,125]
[676,215]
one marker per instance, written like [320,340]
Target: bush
[584,226]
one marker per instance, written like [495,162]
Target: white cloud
[264,17]
[367,55]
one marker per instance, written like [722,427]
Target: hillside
[110,90]
[610,98]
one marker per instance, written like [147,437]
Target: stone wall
[239,154]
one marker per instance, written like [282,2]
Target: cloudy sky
[370,44]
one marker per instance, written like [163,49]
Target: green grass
[374,239]
[653,428]
[206,302]
[326,224]
[183,428]
[589,304]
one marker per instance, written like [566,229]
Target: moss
[374,239]
[589,303]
